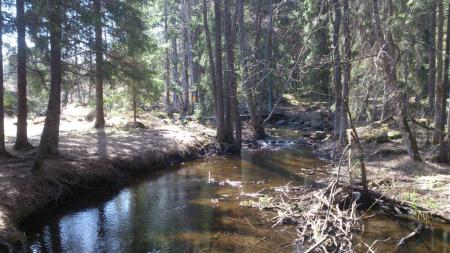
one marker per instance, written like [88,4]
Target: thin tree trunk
[444,154]
[337,66]
[432,57]
[185,77]
[3,152]
[99,110]
[221,136]
[347,71]
[175,73]
[268,58]
[50,135]
[167,62]
[229,42]
[227,105]
[134,103]
[439,89]
[22,111]
[186,57]
[190,47]
[212,71]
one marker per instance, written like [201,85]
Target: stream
[195,207]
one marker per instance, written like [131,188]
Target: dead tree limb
[419,229]
[425,126]
[357,141]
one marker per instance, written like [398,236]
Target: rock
[90,116]
[382,138]
[137,124]
[307,123]
[318,136]
[394,135]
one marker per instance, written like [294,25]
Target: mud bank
[90,161]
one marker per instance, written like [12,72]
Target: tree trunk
[439,89]
[175,73]
[337,66]
[190,47]
[444,154]
[221,136]
[186,57]
[347,71]
[3,152]
[50,134]
[22,111]
[134,103]
[268,58]
[212,71]
[99,110]
[231,73]
[185,76]
[432,57]
[167,62]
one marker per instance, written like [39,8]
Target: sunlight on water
[195,207]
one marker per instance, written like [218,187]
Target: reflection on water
[179,211]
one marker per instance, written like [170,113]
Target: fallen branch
[425,126]
[315,246]
[419,229]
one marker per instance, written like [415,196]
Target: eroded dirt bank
[90,159]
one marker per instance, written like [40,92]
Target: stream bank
[91,159]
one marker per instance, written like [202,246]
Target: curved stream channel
[194,207]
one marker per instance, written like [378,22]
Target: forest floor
[390,171]
[90,158]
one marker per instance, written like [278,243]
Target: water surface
[194,207]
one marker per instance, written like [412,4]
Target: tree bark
[221,136]
[185,75]
[134,103]
[212,72]
[432,56]
[50,135]
[229,42]
[175,73]
[227,105]
[268,58]
[439,89]
[3,151]
[187,56]
[347,71]
[22,111]
[98,46]
[2,105]
[337,66]
[167,104]
[444,154]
